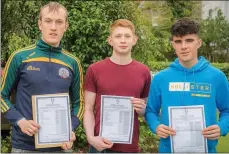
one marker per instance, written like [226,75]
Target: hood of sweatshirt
[199,66]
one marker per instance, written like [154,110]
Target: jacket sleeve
[9,82]
[222,102]
[77,96]
[153,105]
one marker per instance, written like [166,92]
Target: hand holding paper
[100,143]
[139,105]
[28,127]
[164,131]
[212,132]
[68,145]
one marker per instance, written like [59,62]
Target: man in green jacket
[43,68]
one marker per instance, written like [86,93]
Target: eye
[59,21]
[189,40]
[48,20]
[117,36]
[127,36]
[177,41]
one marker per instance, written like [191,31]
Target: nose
[53,26]
[183,45]
[123,40]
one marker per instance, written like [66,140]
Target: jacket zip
[49,68]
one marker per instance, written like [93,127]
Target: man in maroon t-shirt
[118,75]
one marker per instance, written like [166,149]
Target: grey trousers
[15,150]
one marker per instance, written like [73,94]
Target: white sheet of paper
[188,122]
[116,119]
[53,116]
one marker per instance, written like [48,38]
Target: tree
[186,8]
[215,36]
[19,23]
[161,15]
[89,28]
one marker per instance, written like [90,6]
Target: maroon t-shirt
[108,78]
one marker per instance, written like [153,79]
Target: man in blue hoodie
[208,86]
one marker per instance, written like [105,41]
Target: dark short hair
[185,26]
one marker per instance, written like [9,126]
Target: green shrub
[81,144]
[6,144]
[148,142]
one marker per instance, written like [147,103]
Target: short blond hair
[122,23]
[53,7]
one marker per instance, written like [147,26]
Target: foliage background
[89,27]
[89,23]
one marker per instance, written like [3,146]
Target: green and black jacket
[35,70]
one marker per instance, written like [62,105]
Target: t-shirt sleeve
[89,82]
[145,91]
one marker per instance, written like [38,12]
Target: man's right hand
[100,143]
[28,127]
[164,131]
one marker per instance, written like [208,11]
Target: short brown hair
[122,23]
[53,7]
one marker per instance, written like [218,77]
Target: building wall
[207,5]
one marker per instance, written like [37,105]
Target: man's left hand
[68,145]
[139,105]
[212,132]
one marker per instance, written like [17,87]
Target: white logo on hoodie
[179,86]
[190,86]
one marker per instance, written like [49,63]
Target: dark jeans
[15,150]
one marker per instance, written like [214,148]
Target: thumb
[106,141]
[73,137]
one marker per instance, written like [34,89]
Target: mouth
[184,53]
[123,47]
[53,34]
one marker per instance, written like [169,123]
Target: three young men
[46,68]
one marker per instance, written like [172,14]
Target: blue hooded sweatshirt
[202,84]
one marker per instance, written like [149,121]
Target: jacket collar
[46,47]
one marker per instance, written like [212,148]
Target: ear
[199,43]
[172,43]
[109,40]
[66,26]
[39,24]
[135,39]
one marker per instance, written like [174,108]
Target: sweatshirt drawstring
[184,85]
[183,92]
[193,75]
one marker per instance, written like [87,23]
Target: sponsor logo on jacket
[32,68]
[63,73]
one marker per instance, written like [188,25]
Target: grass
[223,145]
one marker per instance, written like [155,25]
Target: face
[122,40]
[52,26]
[186,49]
